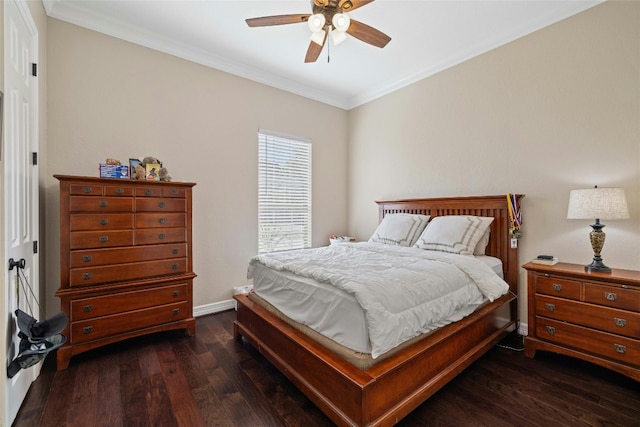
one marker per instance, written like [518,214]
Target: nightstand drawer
[558,287]
[612,296]
[88,308]
[602,318]
[598,343]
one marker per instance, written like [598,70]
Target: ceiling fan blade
[314,49]
[266,21]
[349,5]
[368,34]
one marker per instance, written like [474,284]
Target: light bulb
[341,21]
[316,22]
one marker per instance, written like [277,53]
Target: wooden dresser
[125,260]
[591,316]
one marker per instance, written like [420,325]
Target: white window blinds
[284,192]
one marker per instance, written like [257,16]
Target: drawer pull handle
[550,307]
[620,348]
[86,258]
[87,308]
[174,191]
[86,189]
[148,192]
[161,236]
[620,322]
[119,190]
[174,251]
[610,296]
[103,239]
[162,220]
[87,329]
[557,287]
[162,205]
[175,311]
[175,293]
[86,276]
[174,266]
[550,329]
[104,221]
[103,203]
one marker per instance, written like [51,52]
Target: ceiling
[426,37]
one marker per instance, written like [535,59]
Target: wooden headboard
[493,206]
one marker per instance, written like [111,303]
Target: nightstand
[590,316]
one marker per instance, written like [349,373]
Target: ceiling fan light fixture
[318,37]
[341,22]
[338,37]
[316,22]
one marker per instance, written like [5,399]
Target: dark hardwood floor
[211,379]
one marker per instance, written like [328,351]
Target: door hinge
[34,69]
[34,158]
[35,246]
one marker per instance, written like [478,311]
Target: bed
[382,393]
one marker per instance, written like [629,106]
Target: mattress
[331,311]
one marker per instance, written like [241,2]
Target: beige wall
[110,98]
[553,111]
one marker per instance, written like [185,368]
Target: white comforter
[403,291]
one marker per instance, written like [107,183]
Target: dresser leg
[529,349]
[63,356]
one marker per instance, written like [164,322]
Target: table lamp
[598,203]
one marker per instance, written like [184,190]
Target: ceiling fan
[328,16]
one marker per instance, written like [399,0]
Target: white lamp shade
[341,21]
[598,203]
[316,22]
[338,37]
[318,37]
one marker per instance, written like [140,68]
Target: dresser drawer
[152,236]
[124,272]
[88,308]
[100,239]
[92,189]
[602,318]
[105,326]
[100,204]
[598,343]
[95,257]
[150,220]
[558,287]
[612,296]
[154,204]
[106,221]
[160,191]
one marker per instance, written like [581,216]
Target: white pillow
[481,247]
[400,229]
[458,234]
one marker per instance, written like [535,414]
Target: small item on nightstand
[545,260]
[341,239]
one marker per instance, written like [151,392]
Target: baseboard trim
[216,307]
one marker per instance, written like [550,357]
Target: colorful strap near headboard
[515,215]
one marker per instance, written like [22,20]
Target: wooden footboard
[386,392]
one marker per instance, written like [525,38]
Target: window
[284,192]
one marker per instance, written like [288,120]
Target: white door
[20,185]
